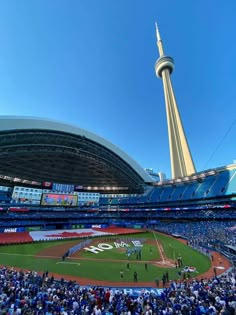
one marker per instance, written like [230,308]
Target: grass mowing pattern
[105,270]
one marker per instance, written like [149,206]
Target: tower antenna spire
[159,41]
[180,155]
[157,33]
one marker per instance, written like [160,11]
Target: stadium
[80,218]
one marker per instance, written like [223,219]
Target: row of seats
[208,233]
[212,186]
[150,218]
[221,184]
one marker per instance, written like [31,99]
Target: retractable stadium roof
[49,151]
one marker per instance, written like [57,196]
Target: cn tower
[180,155]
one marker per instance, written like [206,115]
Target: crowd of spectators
[29,293]
[211,234]
[36,216]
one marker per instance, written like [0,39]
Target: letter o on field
[105,246]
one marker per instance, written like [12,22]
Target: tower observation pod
[180,155]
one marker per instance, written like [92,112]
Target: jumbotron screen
[64,200]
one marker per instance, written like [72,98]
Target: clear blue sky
[90,63]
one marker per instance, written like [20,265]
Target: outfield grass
[190,257]
[23,256]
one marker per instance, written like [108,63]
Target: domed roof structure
[48,151]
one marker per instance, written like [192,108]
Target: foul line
[159,248]
[173,249]
[65,262]
[164,262]
[28,255]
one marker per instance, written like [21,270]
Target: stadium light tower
[180,155]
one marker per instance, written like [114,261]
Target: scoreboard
[65,200]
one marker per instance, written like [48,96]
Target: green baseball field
[113,258]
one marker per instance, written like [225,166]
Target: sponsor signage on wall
[12,230]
